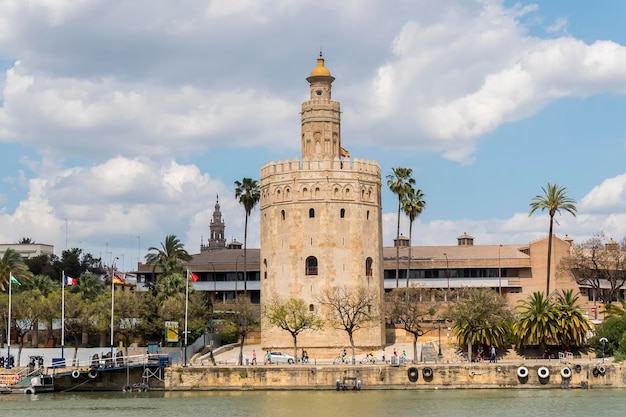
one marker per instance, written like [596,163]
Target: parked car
[281,357]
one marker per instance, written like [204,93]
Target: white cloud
[559,26]
[107,116]
[122,197]
[608,197]
[472,70]
[150,79]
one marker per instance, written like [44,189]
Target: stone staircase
[429,352]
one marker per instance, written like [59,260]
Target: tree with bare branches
[599,264]
[410,307]
[351,309]
[246,319]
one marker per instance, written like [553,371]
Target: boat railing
[107,360]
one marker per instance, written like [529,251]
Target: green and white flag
[14,280]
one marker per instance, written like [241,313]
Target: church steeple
[320,117]
[216,230]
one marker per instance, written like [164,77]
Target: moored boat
[133,373]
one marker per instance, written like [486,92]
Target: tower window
[342,213]
[368,267]
[282,214]
[311,307]
[311,265]
[311,212]
[367,215]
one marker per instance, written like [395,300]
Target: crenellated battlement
[295,166]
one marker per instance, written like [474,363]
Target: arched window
[311,212]
[368,267]
[342,213]
[311,307]
[367,216]
[311,265]
[282,214]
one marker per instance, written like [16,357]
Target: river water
[430,403]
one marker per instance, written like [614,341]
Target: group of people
[266,361]
[480,354]
[395,359]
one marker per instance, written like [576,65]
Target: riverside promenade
[446,372]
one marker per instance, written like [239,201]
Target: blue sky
[124,120]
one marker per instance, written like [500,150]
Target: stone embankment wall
[484,375]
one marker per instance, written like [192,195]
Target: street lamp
[214,283]
[499,272]
[237,271]
[603,340]
[447,276]
[112,302]
[439,325]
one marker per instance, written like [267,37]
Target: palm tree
[574,325]
[399,182]
[89,286]
[249,193]
[413,204]
[481,316]
[169,256]
[172,285]
[538,322]
[12,263]
[614,310]
[554,199]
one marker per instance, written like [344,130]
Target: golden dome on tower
[320,70]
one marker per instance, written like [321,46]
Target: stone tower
[321,223]
[216,231]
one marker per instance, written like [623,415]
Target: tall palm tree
[169,256]
[538,322]
[412,205]
[574,325]
[12,263]
[554,199]
[249,193]
[399,182]
[89,286]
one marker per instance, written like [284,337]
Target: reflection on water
[436,403]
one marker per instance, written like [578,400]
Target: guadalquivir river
[435,403]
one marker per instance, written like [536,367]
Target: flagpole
[63,318]
[186,309]
[112,302]
[9,325]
